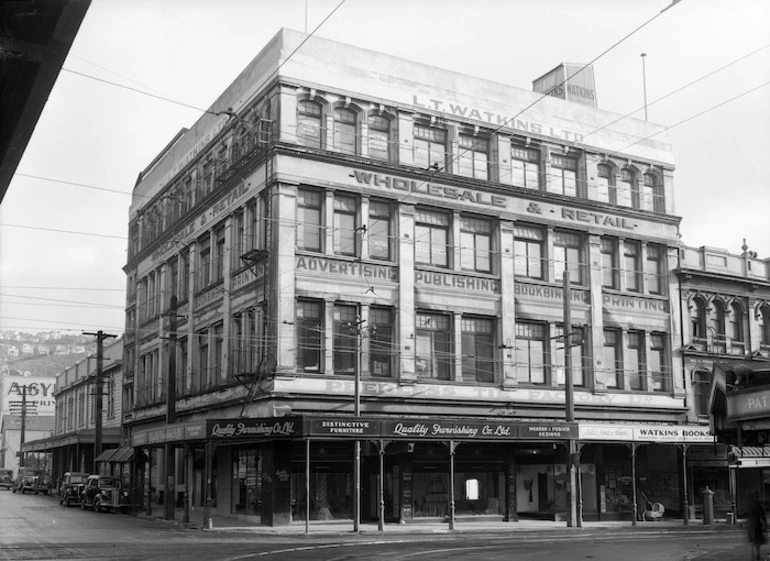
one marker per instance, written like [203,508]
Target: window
[310,334]
[702,390]
[206,178]
[184,267]
[239,230]
[345,209]
[606,184]
[473,156]
[698,323]
[478,349]
[346,334]
[530,353]
[379,230]
[528,251]
[431,238]
[612,367]
[379,137]
[609,263]
[658,362]
[577,352]
[568,249]
[631,266]
[309,129]
[381,342]
[525,167]
[199,381]
[627,190]
[430,147]
[651,196]
[737,344]
[309,229]
[345,130]
[173,278]
[653,269]
[476,245]
[181,365]
[634,361]
[720,330]
[433,357]
[204,275]
[563,178]
[219,257]
[764,325]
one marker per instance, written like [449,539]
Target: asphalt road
[38,528]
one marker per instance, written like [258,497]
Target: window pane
[309,336]
[381,342]
[345,339]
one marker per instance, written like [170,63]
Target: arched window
[652,193]
[627,187]
[737,343]
[718,324]
[702,390]
[309,123]
[379,137]
[606,184]
[345,130]
[764,325]
[698,323]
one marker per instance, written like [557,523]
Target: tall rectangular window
[379,137]
[576,348]
[430,150]
[476,244]
[346,336]
[379,230]
[204,274]
[659,370]
[345,210]
[239,231]
[609,263]
[431,238]
[184,268]
[219,257]
[345,130]
[199,381]
[563,178]
[612,367]
[568,256]
[605,183]
[530,352]
[173,278]
[631,266]
[627,187]
[381,342]
[310,336]
[216,359]
[528,251]
[478,349]
[525,167]
[309,129]
[636,371]
[434,346]
[309,220]
[473,157]
[653,269]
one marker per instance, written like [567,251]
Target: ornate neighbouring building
[353,247]
[726,357]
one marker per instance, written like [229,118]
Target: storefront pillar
[732,481]
[511,515]
[188,473]
[381,487]
[634,500]
[452,448]
[307,486]
[277,486]
[169,468]
[407,492]
[208,477]
[684,486]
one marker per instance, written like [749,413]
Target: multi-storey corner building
[350,245]
[77,433]
[725,350]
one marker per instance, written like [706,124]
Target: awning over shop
[109,436]
[106,455]
[751,456]
[123,455]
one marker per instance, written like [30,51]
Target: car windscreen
[109,483]
[77,479]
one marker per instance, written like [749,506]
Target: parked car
[29,479]
[102,492]
[71,487]
[6,478]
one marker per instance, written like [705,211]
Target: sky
[64,219]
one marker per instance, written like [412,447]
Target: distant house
[27,349]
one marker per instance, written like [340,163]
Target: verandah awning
[751,456]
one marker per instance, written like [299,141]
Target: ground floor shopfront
[282,470]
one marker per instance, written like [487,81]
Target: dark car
[6,478]
[102,492]
[71,487]
[29,480]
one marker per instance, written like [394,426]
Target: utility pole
[170,460]
[23,424]
[572,515]
[357,444]
[100,337]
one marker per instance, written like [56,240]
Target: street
[36,527]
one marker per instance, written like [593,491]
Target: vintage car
[6,478]
[71,487]
[102,492]
[29,480]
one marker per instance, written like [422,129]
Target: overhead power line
[124,238]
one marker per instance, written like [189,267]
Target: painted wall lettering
[457,281]
[369,271]
[617,301]
[549,292]
[597,218]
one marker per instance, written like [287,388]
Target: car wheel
[14,490]
[97,505]
[66,501]
[82,504]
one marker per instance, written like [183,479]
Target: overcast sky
[99,135]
